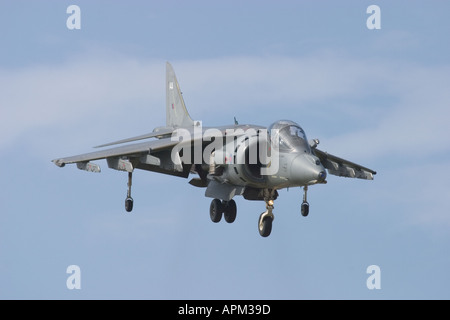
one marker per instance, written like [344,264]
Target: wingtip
[59,162]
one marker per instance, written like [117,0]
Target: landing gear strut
[228,209]
[266,218]
[305,204]
[129,199]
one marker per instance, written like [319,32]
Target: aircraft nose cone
[307,169]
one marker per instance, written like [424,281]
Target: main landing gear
[129,199]
[227,208]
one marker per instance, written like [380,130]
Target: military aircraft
[248,160]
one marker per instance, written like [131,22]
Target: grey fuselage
[292,165]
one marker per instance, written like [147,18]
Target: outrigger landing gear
[305,204]
[129,199]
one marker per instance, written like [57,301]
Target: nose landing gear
[266,219]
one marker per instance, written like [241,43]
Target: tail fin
[176,112]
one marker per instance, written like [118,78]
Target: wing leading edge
[128,150]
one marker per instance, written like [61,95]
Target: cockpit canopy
[289,135]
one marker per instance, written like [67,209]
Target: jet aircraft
[247,160]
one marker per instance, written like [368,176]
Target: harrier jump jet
[247,160]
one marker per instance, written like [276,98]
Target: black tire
[129,204]
[216,210]
[305,209]
[230,210]
[265,227]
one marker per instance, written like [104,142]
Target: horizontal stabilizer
[162,133]
[199,183]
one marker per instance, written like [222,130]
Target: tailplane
[176,112]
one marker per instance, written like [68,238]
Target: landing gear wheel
[129,204]
[305,209]
[265,225]
[216,210]
[230,210]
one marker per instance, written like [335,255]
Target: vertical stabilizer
[176,112]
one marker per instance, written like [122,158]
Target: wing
[153,155]
[163,155]
[132,150]
[343,168]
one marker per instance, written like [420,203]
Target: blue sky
[376,97]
